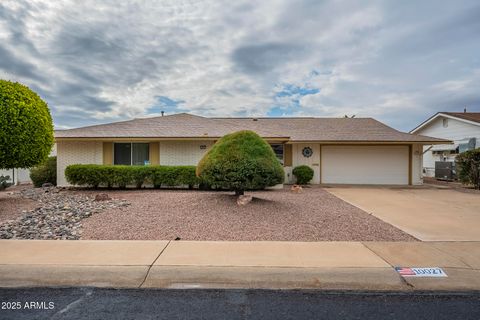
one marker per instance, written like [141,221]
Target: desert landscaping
[310,215]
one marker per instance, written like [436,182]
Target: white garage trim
[368,164]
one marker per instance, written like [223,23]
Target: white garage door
[365,164]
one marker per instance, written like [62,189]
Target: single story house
[463,128]
[340,150]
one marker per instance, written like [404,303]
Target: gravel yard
[47,213]
[313,215]
[12,203]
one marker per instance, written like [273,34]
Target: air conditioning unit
[445,170]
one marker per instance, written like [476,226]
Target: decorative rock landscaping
[58,216]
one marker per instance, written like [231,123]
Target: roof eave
[154,138]
[373,142]
[438,114]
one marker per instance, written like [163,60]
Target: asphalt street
[94,303]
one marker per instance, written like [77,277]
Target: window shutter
[108,153]
[154,153]
[287,154]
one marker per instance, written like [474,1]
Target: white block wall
[182,153]
[76,152]
[21,175]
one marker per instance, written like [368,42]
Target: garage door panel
[365,164]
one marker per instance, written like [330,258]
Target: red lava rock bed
[280,215]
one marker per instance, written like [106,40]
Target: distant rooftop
[472,116]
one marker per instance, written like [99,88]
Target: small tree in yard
[240,161]
[468,167]
[26,130]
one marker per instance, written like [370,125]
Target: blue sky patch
[165,104]
[290,90]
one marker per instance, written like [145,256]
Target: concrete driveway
[428,214]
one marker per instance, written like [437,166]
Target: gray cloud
[11,64]
[396,61]
[264,58]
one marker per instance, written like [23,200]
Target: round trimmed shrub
[240,161]
[45,173]
[303,174]
[26,129]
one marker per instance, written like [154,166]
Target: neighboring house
[463,128]
[21,176]
[340,150]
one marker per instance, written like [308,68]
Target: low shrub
[88,175]
[174,176]
[468,167]
[122,176]
[45,173]
[4,182]
[142,175]
[303,174]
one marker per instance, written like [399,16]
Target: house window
[445,123]
[130,153]
[278,149]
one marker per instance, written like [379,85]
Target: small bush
[93,175]
[4,182]
[303,174]
[468,167]
[45,173]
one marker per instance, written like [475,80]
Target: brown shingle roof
[472,116]
[294,129]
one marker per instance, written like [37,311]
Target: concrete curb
[209,264]
[12,276]
[274,278]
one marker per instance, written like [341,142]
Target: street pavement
[105,304]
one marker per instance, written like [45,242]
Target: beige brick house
[339,150]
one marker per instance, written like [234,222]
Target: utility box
[445,170]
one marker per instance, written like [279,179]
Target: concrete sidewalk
[205,264]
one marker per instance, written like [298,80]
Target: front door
[308,154]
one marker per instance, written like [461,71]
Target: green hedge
[93,175]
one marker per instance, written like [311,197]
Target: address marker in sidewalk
[433,272]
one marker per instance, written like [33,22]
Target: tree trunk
[239,192]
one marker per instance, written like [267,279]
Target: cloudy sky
[103,61]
